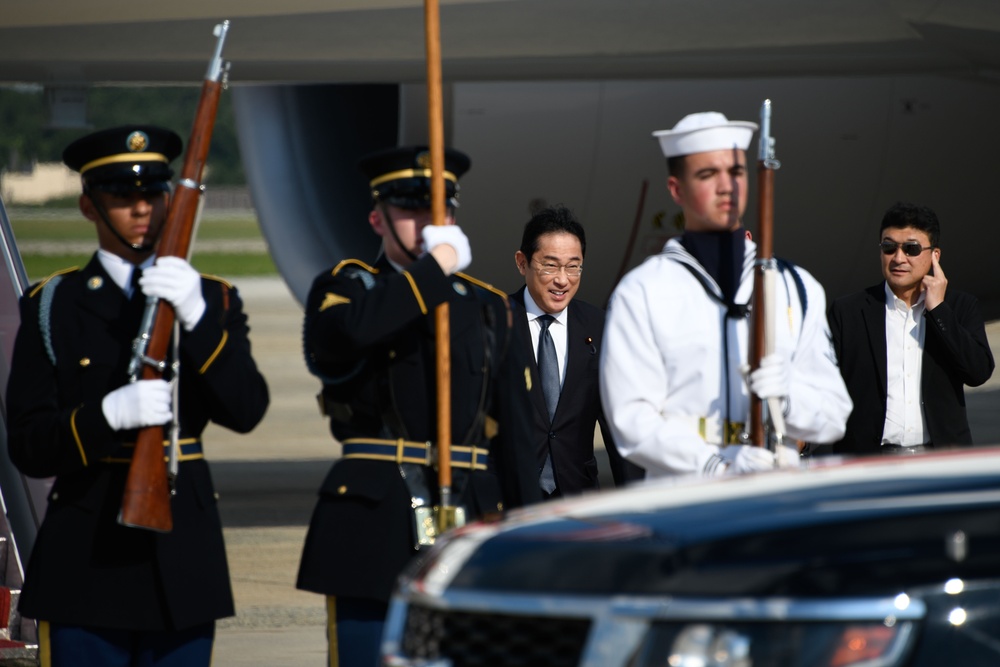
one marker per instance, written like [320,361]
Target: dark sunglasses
[910,248]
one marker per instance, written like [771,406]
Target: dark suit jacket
[570,436]
[956,353]
[86,569]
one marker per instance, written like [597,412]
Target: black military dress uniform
[85,568]
[369,333]
[73,348]
[370,337]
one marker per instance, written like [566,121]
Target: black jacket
[570,435]
[86,569]
[370,337]
[956,353]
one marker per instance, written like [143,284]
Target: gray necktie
[548,368]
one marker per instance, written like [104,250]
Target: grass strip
[218,264]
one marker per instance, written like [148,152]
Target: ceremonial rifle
[146,501]
[766,420]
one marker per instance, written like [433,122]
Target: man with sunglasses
[568,408]
[676,337]
[908,345]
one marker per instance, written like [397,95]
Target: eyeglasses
[910,248]
[551,269]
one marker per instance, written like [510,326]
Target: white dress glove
[772,379]
[452,235]
[142,403]
[787,457]
[746,458]
[175,281]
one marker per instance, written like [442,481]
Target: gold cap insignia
[95,283]
[424,160]
[137,142]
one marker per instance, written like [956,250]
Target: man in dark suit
[908,345]
[566,411]
[103,593]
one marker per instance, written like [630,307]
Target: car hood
[865,526]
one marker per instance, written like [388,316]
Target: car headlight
[761,644]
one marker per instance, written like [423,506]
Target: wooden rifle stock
[766,164]
[146,500]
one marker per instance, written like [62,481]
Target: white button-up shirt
[120,269]
[904,346]
[557,329]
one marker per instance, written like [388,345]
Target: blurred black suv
[890,561]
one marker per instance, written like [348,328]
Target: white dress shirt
[557,329]
[121,270]
[904,346]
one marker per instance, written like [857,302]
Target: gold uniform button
[84,362]
[341,489]
[500,507]
[55,496]
[392,354]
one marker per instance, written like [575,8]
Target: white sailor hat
[705,131]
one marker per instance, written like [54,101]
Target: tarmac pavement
[267,482]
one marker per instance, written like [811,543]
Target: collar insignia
[332,299]
[95,283]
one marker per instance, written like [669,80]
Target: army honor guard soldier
[103,593]
[370,338]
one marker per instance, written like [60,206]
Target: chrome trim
[899,647]
[673,608]
[622,623]
[612,641]
[975,497]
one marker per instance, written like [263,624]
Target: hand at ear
[935,282]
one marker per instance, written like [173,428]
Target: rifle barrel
[766,165]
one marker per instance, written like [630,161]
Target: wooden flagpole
[435,118]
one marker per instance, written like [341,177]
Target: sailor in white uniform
[675,356]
